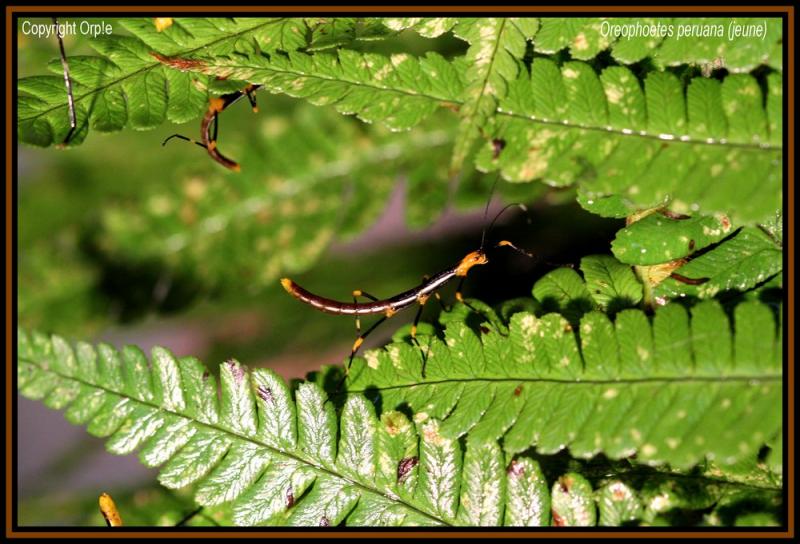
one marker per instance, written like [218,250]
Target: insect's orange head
[472,259]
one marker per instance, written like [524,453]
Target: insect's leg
[360,340]
[421,300]
[184,138]
[356,345]
[213,142]
[73,118]
[251,96]
[460,297]
[359,293]
[688,281]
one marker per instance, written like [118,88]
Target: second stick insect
[390,306]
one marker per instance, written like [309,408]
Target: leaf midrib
[745,379]
[642,134]
[313,465]
[473,114]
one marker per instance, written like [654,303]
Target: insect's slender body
[392,305]
[210,121]
[73,119]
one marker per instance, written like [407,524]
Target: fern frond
[671,390]
[644,147]
[664,40]
[129,86]
[283,457]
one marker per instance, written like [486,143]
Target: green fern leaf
[613,285]
[749,258]
[399,91]
[656,239]
[573,503]
[129,86]
[243,449]
[668,42]
[693,388]
[644,149]
[618,504]
[429,27]
[497,44]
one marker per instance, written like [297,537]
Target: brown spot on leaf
[265,394]
[205,375]
[498,144]
[289,497]
[558,521]
[404,467]
[565,483]
[518,390]
[324,522]
[669,214]
[450,106]
[515,469]
[236,371]
[691,245]
[178,63]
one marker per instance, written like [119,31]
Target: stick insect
[418,295]
[73,118]
[217,105]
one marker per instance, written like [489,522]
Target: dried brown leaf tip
[178,63]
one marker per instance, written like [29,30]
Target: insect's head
[473,258]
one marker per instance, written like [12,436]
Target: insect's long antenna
[486,209]
[73,119]
[505,208]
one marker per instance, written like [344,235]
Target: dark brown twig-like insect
[217,105]
[73,118]
[418,295]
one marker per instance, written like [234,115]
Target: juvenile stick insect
[73,118]
[217,105]
[418,295]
